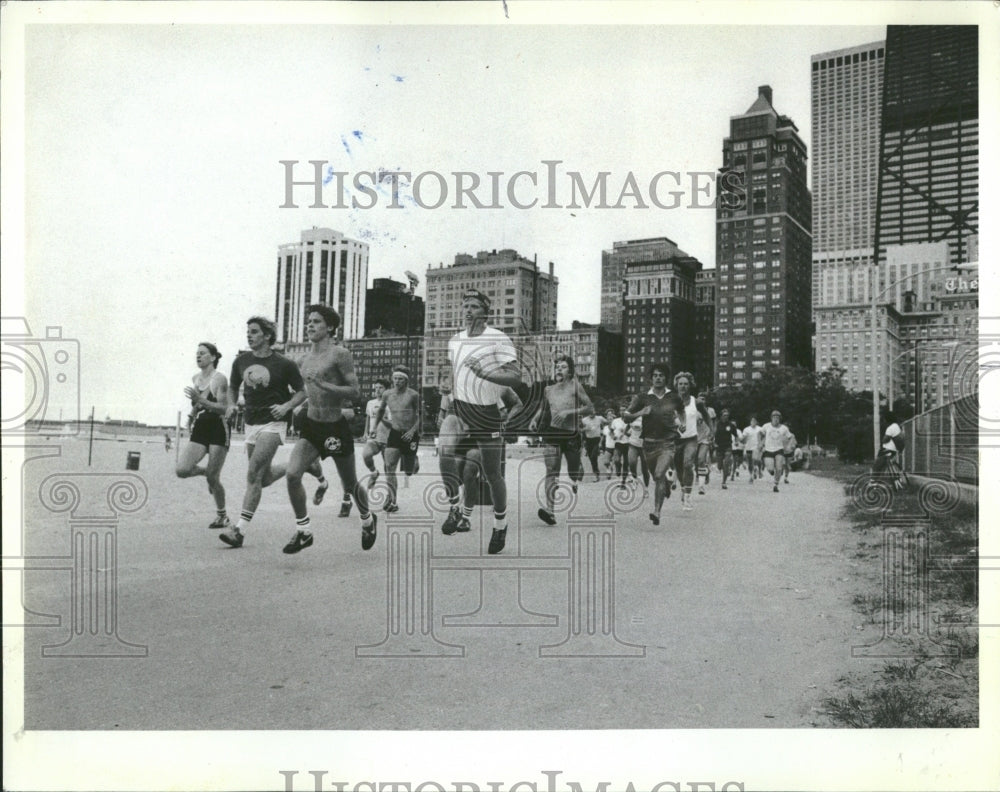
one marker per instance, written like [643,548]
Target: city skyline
[219,250]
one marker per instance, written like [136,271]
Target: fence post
[951,436]
[927,446]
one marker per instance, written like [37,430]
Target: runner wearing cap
[483,362]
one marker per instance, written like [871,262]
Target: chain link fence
[943,443]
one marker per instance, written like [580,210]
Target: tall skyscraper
[763,246]
[846,117]
[923,218]
[927,219]
[929,170]
[326,267]
[658,314]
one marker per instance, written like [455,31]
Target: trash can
[132,460]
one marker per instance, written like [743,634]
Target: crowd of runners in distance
[667,435]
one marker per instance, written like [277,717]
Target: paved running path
[743,608]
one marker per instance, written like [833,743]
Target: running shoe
[654,518]
[686,504]
[368,533]
[345,508]
[392,507]
[324,485]
[232,537]
[546,517]
[464,526]
[724,487]
[451,521]
[300,541]
[498,540]
[701,489]
[775,487]
[574,488]
[220,522]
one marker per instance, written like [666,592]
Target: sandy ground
[735,615]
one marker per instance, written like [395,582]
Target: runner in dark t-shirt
[659,409]
[267,381]
[272,389]
[726,434]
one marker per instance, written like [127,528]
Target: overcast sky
[153,185]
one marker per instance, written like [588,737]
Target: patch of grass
[895,706]
[906,672]
[934,681]
[965,640]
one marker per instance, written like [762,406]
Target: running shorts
[654,450]
[408,447]
[210,430]
[329,438]
[482,421]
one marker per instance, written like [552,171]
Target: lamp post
[413,282]
[876,436]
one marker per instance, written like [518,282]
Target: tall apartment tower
[658,313]
[325,267]
[846,119]
[763,246]
[524,299]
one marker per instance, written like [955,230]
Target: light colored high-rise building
[846,108]
[846,117]
[763,246]
[524,299]
[325,267]
[895,190]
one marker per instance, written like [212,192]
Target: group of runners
[318,391]
[667,432]
[273,387]
[670,437]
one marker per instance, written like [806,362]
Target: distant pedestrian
[566,402]
[789,451]
[753,436]
[726,436]
[686,451]
[660,411]
[593,426]
[776,435]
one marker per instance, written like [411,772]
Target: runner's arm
[414,431]
[632,411]
[281,410]
[379,413]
